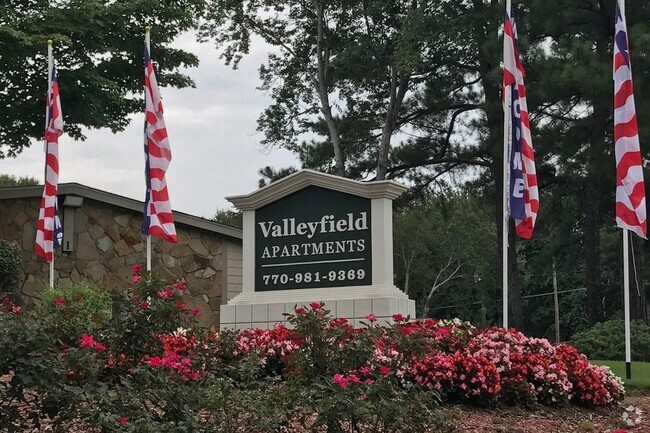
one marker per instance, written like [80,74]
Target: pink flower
[59,301]
[300,310]
[315,306]
[443,332]
[135,270]
[180,286]
[398,318]
[181,305]
[340,380]
[156,362]
[136,279]
[87,341]
[15,309]
[365,370]
[123,420]
[195,311]
[371,317]
[384,370]
[193,375]
[99,347]
[363,397]
[165,293]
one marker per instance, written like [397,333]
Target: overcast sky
[215,147]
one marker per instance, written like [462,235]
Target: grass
[640,373]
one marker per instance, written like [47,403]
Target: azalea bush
[135,360]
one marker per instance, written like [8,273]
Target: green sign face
[312,238]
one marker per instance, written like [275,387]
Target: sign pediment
[305,178]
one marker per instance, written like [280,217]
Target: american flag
[523,200]
[630,189]
[49,232]
[158,219]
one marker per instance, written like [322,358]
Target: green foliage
[98,51]
[456,229]
[8,180]
[68,312]
[10,266]
[81,353]
[607,341]
[386,404]
[229,217]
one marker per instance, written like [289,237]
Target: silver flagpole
[626,301]
[50,68]
[147,42]
[506,157]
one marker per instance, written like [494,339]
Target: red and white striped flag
[523,199]
[630,189]
[158,219]
[48,231]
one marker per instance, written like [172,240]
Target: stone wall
[106,243]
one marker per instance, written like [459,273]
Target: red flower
[165,293]
[180,286]
[341,380]
[15,309]
[156,362]
[136,279]
[144,305]
[195,311]
[87,341]
[59,301]
[371,317]
[181,305]
[135,270]
[300,310]
[398,318]
[123,420]
[384,370]
[315,305]
[100,347]
[443,332]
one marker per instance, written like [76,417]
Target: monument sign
[316,237]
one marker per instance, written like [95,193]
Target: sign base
[265,309]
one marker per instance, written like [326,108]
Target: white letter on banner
[518,190]
[516,161]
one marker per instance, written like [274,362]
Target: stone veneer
[107,243]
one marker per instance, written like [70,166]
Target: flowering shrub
[139,363]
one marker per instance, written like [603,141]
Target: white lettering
[518,188]
[516,161]
[266,229]
[361,223]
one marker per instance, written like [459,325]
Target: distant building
[102,241]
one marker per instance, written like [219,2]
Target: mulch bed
[544,420]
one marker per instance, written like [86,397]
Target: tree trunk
[398,87]
[595,295]
[593,196]
[322,55]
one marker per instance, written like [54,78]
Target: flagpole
[626,301]
[50,67]
[147,42]
[506,157]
